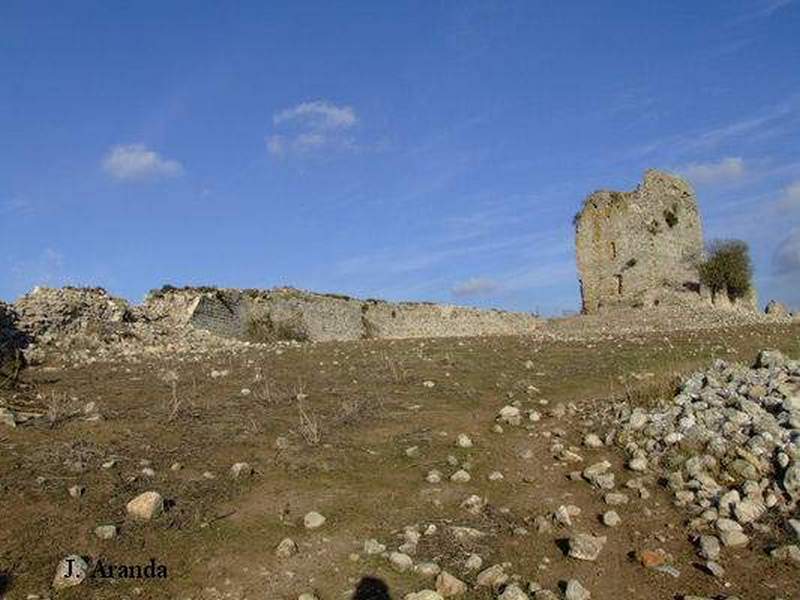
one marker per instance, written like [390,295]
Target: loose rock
[71,571]
[449,586]
[584,546]
[286,548]
[314,520]
[146,506]
[575,591]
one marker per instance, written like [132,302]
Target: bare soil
[369,404]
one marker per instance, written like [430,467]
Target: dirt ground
[326,428]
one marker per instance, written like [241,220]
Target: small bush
[727,266]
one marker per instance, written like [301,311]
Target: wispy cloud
[725,170]
[395,261]
[136,162]
[786,259]
[311,127]
[481,223]
[772,121]
[15,206]
[318,115]
[766,8]
[756,10]
[790,199]
[786,270]
[475,286]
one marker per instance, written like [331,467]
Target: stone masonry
[639,248]
[291,314]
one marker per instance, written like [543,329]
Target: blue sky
[405,150]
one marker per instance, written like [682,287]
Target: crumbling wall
[408,320]
[639,248]
[170,305]
[293,314]
[287,313]
[225,313]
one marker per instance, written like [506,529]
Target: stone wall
[286,313]
[224,313]
[408,320]
[639,248]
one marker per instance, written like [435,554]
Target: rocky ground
[592,460]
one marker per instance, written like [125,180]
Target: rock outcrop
[639,248]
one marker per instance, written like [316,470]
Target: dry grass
[355,410]
[308,427]
[60,408]
[395,368]
[173,404]
[263,388]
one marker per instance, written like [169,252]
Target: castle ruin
[288,313]
[639,248]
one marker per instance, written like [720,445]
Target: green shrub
[727,266]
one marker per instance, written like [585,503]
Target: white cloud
[725,170]
[311,127]
[790,199]
[134,162]
[767,7]
[787,255]
[776,120]
[317,115]
[475,286]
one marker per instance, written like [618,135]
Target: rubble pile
[47,313]
[728,446]
[84,325]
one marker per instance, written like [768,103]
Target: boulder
[146,506]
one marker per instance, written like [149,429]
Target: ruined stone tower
[639,248]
